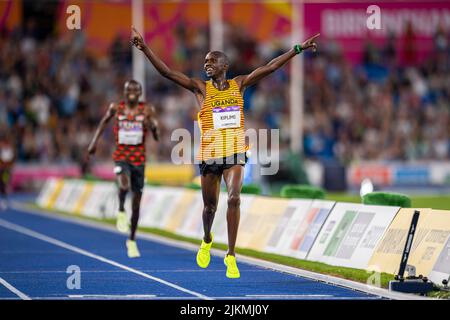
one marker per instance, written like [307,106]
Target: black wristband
[298,48]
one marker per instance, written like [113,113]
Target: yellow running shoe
[133,251]
[122,222]
[232,269]
[203,255]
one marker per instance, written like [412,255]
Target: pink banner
[23,175]
[28,175]
[347,24]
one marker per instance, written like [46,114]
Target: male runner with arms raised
[132,120]
[222,145]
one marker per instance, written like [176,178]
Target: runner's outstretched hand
[137,40]
[309,43]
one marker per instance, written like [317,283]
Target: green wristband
[298,48]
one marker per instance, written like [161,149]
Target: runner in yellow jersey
[222,147]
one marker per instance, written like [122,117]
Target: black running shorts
[136,174]
[217,166]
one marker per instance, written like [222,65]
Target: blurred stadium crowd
[53,94]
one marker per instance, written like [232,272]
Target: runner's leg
[123,173]
[210,193]
[124,185]
[233,179]
[137,187]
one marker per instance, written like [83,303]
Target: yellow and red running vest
[221,122]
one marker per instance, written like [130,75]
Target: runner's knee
[137,198]
[234,200]
[123,183]
[210,208]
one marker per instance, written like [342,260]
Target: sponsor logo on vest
[130,125]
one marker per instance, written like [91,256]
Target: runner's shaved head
[132,82]
[221,55]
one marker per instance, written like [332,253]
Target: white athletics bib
[130,132]
[228,117]
[6,154]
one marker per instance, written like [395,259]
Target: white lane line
[112,296]
[115,271]
[14,290]
[67,246]
[119,298]
[289,295]
[322,278]
[195,299]
[112,271]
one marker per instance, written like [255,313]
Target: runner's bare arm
[101,127]
[192,84]
[152,122]
[245,81]
[14,154]
[154,128]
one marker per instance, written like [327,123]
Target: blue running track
[36,251]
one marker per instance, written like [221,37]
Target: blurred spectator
[53,93]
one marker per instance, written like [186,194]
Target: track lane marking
[14,290]
[42,237]
[372,292]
